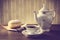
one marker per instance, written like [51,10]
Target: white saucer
[26,33]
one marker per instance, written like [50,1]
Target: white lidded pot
[44,18]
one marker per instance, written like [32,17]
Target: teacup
[31,29]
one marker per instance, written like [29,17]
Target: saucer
[26,32]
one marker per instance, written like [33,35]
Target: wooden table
[9,35]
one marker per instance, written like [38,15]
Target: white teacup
[31,29]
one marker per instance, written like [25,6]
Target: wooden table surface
[9,35]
